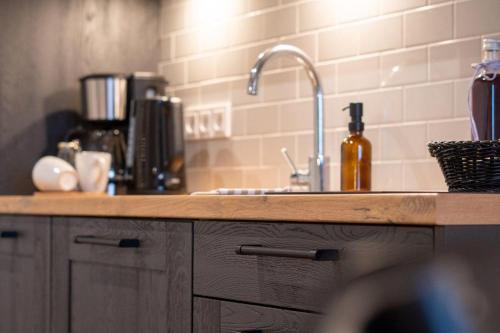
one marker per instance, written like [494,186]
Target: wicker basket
[469,166]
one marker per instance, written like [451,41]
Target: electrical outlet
[209,122]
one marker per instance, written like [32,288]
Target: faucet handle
[299,179]
[289,160]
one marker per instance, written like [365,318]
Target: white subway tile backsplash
[262,120]
[453,130]
[358,74]
[166,48]
[173,18]
[253,54]
[316,14]
[239,96]
[423,176]
[296,116]
[200,69]
[453,60]
[306,43]
[227,178]
[353,10]
[238,122]
[271,152]
[246,30]
[403,142]
[261,4]
[186,44]
[215,93]
[428,102]
[389,6]
[197,154]
[305,143]
[199,180]
[429,25]
[387,176]
[279,86]
[379,107]
[404,67]
[176,72]
[339,42]
[235,153]
[261,177]
[334,116]
[231,63]
[408,61]
[334,177]
[214,37]
[382,107]
[477,17]
[189,96]
[381,34]
[461,93]
[279,23]
[327,74]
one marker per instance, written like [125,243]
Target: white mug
[93,169]
[54,174]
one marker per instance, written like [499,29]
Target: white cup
[93,169]
[54,174]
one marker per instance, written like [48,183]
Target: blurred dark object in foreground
[445,295]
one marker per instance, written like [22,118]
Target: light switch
[205,124]
[221,122]
[191,125]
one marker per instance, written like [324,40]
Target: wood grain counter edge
[415,208]
[390,208]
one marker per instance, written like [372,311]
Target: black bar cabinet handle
[9,234]
[251,331]
[258,250]
[124,242]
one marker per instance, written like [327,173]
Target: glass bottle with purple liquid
[485,94]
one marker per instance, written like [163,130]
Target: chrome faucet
[317,175]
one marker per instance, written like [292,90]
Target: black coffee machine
[155,156]
[106,104]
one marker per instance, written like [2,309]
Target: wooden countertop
[374,208]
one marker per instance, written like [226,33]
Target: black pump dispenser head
[356,112]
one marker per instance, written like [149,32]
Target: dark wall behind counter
[45,46]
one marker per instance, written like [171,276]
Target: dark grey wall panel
[45,45]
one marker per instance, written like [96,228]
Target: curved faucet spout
[317,163]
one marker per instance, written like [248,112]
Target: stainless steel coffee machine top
[104,97]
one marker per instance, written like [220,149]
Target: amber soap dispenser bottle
[356,154]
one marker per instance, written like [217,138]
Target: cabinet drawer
[275,269]
[17,234]
[129,243]
[214,316]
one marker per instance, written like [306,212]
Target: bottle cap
[491,44]
[356,113]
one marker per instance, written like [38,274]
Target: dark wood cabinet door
[105,286]
[24,267]
[214,316]
[277,273]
